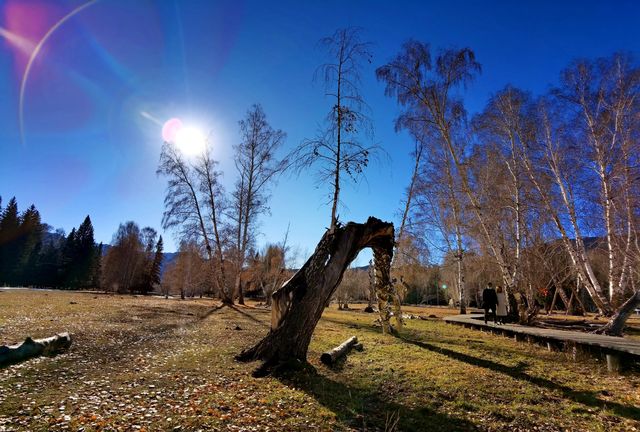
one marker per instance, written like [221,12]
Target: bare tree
[187,274]
[268,269]
[338,149]
[500,178]
[194,204]
[426,91]
[127,260]
[257,167]
[600,99]
[354,286]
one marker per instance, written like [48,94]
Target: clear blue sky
[88,150]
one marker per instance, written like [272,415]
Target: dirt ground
[146,363]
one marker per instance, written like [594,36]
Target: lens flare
[170,130]
[24,45]
[34,54]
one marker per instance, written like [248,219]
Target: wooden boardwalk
[617,351]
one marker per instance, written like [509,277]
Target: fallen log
[330,357]
[30,348]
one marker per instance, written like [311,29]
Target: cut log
[330,357]
[299,303]
[30,348]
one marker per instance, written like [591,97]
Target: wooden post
[613,362]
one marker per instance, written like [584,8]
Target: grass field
[154,364]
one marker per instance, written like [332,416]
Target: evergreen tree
[156,267]
[85,255]
[9,244]
[50,270]
[68,268]
[47,273]
[29,246]
[96,274]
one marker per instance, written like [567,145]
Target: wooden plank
[595,340]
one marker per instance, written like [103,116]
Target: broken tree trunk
[616,324]
[343,349]
[30,348]
[298,305]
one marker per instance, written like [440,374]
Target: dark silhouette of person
[489,302]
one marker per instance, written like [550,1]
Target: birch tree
[427,92]
[257,167]
[600,99]
[194,205]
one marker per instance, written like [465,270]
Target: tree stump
[298,305]
[30,348]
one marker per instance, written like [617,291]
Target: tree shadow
[369,409]
[153,311]
[518,372]
[249,316]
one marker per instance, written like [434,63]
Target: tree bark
[298,305]
[331,356]
[615,326]
[30,348]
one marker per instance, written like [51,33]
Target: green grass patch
[153,364]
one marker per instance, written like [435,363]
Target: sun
[190,140]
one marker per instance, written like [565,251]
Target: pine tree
[29,244]
[9,245]
[156,267]
[68,268]
[96,275]
[49,268]
[85,254]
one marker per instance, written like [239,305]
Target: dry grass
[154,364]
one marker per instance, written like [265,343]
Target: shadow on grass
[154,311]
[369,409]
[517,372]
[249,316]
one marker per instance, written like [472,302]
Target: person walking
[501,305]
[489,301]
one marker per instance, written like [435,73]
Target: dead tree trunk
[615,326]
[30,348]
[298,305]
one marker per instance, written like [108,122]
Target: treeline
[189,274]
[32,255]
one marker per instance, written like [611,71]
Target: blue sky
[88,150]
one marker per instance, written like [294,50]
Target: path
[615,349]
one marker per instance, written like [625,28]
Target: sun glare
[191,141]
